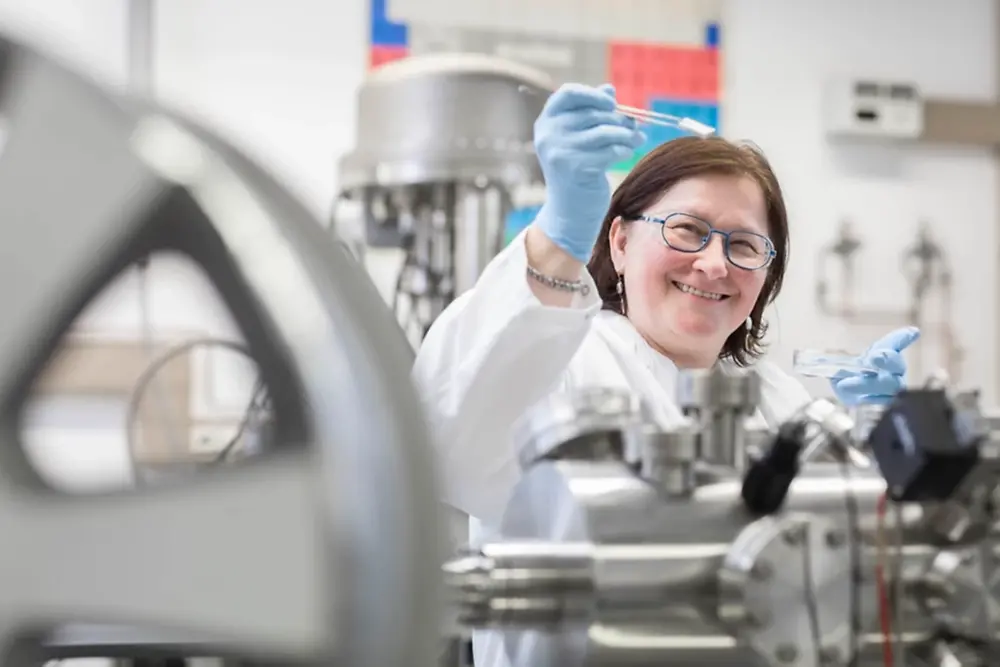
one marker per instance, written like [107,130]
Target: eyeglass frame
[772,253]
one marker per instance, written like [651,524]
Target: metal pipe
[954,352]
[932,271]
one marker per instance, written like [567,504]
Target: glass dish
[827,363]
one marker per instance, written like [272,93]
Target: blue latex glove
[853,388]
[578,137]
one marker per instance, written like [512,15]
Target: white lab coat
[496,350]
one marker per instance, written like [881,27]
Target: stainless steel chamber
[714,543]
[444,147]
[325,550]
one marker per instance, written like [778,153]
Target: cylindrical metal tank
[444,145]
[446,117]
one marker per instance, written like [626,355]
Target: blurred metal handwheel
[327,549]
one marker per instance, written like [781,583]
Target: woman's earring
[749,325]
[620,288]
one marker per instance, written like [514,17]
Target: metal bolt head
[786,653]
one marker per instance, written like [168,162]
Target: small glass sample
[827,363]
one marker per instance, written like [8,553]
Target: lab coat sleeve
[492,353]
[782,395]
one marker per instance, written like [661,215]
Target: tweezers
[666,120]
[649,117]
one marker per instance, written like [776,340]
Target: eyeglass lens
[744,249]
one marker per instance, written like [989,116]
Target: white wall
[776,54]
[91,35]
[280,79]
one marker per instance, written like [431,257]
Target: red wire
[884,612]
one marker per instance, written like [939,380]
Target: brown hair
[664,167]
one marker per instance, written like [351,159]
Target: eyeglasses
[686,233]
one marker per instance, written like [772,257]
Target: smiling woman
[687,253]
[723,230]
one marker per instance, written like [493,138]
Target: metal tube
[723,440]
[478,232]
[519,584]
[516,583]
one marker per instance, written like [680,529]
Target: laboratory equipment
[829,363]
[443,154]
[871,108]
[627,543]
[928,274]
[692,538]
[285,557]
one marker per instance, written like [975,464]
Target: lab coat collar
[663,370]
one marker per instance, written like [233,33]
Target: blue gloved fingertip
[898,339]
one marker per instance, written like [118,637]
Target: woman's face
[686,304]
